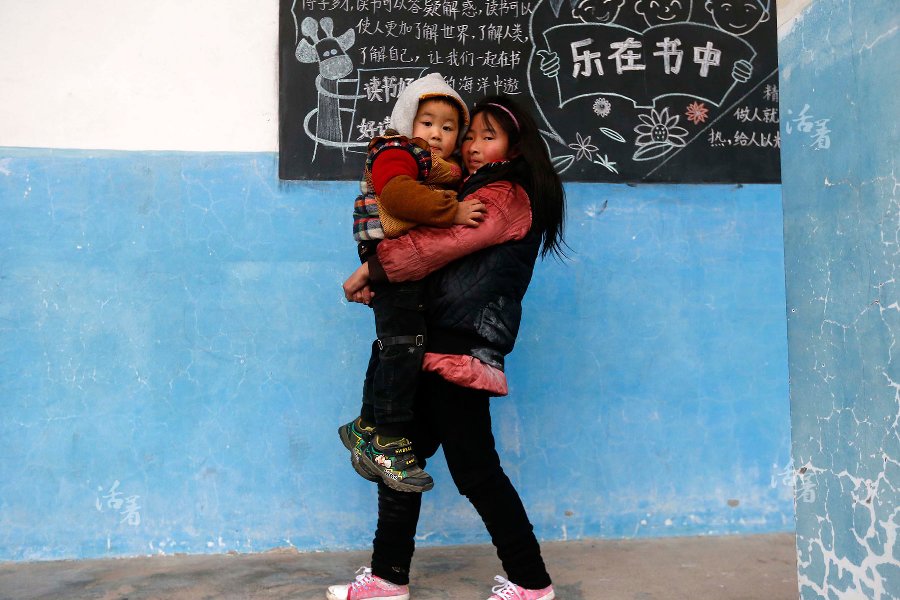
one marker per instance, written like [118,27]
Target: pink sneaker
[507,590]
[369,587]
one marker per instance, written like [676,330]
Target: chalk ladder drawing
[330,53]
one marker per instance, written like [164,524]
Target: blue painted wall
[175,357]
[842,256]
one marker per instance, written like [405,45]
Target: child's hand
[356,288]
[469,213]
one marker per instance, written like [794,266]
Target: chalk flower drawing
[604,161]
[602,107]
[583,147]
[658,134]
[697,113]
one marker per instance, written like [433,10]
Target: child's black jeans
[396,359]
[459,419]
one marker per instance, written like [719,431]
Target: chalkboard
[623,90]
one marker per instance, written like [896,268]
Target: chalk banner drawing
[623,90]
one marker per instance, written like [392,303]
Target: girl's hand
[356,288]
[469,213]
[363,296]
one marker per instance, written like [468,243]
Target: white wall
[789,11]
[161,75]
[123,74]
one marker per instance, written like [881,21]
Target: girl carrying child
[477,278]
[410,179]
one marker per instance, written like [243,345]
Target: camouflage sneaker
[355,438]
[396,464]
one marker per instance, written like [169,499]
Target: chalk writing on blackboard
[624,90]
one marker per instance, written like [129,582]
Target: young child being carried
[410,179]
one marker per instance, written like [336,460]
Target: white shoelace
[506,589]
[364,577]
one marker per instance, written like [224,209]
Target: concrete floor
[761,567]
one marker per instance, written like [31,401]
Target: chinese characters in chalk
[648,83]
[124,504]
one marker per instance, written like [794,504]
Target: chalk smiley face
[597,11]
[660,12]
[738,16]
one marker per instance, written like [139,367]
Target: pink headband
[507,111]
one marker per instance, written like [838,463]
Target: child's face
[597,11]
[437,122]
[484,143]
[737,16]
[657,12]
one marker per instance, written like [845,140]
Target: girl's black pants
[458,419]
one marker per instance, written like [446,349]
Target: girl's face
[485,142]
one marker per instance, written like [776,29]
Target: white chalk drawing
[626,57]
[747,114]
[738,17]
[798,480]
[756,139]
[774,139]
[595,211]
[816,128]
[660,12]
[672,55]
[126,505]
[597,11]
[821,137]
[604,161]
[606,59]
[707,56]
[330,53]
[562,163]
[612,134]
[632,52]
[592,64]
[804,122]
[386,88]
[602,107]
[583,147]
[658,134]
[379,87]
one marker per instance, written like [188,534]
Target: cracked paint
[842,251]
[197,349]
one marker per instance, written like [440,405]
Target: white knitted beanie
[424,88]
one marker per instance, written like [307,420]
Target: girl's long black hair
[548,199]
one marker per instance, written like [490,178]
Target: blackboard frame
[651,124]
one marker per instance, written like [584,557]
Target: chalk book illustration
[623,90]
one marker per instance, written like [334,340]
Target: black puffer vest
[474,304]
